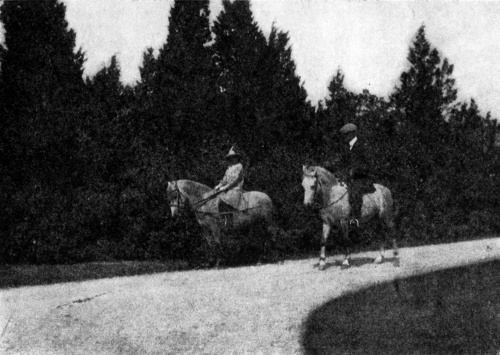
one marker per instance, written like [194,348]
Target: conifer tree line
[85,161]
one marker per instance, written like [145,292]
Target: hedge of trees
[85,161]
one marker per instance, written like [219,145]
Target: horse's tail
[398,215]
[276,213]
[278,248]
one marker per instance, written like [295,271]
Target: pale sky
[367,40]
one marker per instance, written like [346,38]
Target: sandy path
[250,310]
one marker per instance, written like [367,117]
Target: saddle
[367,187]
[232,203]
[227,212]
[225,207]
[361,186]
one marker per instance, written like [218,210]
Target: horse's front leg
[324,238]
[380,258]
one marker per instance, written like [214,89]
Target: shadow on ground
[35,275]
[454,311]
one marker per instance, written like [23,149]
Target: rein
[228,212]
[198,204]
[334,202]
[331,203]
[205,200]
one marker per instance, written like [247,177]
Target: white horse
[257,207]
[320,184]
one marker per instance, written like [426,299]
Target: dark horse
[320,184]
[258,208]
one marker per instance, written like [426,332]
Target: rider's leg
[356,202]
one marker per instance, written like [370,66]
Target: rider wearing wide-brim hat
[355,166]
[230,187]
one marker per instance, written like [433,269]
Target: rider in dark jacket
[355,166]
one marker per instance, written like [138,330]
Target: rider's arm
[231,179]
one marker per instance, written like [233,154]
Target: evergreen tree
[425,99]
[42,88]
[340,108]
[42,84]
[181,79]
[342,104]
[442,147]
[240,51]
[102,125]
[285,111]
[145,88]
[426,93]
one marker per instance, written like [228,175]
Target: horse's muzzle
[312,205]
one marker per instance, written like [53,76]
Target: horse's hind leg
[390,233]
[395,250]
[273,246]
[213,237]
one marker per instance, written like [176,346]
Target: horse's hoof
[378,260]
[345,265]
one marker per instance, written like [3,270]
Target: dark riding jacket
[355,162]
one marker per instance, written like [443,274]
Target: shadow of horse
[354,262]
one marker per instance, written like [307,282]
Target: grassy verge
[30,275]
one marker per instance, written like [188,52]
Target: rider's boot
[355,216]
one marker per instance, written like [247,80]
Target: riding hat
[350,127]
[234,153]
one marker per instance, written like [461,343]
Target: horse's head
[310,184]
[175,198]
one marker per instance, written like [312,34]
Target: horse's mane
[327,175]
[191,187]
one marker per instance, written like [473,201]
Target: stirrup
[354,223]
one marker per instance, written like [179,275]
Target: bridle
[316,187]
[179,197]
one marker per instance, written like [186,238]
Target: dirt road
[248,310]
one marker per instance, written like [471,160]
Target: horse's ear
[308,170]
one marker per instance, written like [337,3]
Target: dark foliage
[85,163]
